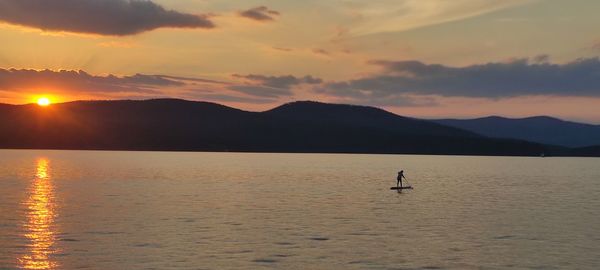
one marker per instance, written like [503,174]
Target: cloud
[271,86]
[321,51]
[190,80]
[251,89]
[28,80]
[279,81]
[261,13]
[541,59]
[397,83]
[376,16]
[283,49]
[391,100]
[518,77]
[103,17]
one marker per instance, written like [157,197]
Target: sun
[43,101]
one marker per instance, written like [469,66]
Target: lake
[177,210]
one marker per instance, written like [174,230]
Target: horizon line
[315,101]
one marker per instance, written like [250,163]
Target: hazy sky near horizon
[422,58]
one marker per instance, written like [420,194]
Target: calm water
[154,210]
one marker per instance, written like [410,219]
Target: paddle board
[395,188]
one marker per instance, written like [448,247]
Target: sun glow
[43,101]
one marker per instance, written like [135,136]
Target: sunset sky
[422,58]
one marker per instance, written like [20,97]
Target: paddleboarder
[399,178]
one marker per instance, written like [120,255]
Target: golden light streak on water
[39,228]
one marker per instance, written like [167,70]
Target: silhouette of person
[399,178]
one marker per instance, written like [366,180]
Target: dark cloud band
[520,77]
[399,83]
[271,86]
[250,88]
[104,17]
[279,81]
[261,13]
[16,80]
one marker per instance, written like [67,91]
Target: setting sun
[43,101]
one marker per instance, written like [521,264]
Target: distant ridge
[541,129]
[180,125]
[362,116]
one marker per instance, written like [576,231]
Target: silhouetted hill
[590,151]
[310,112]
[541,129]
[169,124]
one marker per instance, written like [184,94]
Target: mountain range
[180,125]
[541,129]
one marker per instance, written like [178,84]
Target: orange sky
[433,59]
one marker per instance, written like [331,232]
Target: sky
[419,58]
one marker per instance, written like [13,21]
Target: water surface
[158,210]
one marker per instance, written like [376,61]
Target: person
[400,176]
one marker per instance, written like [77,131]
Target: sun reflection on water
[39,228]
